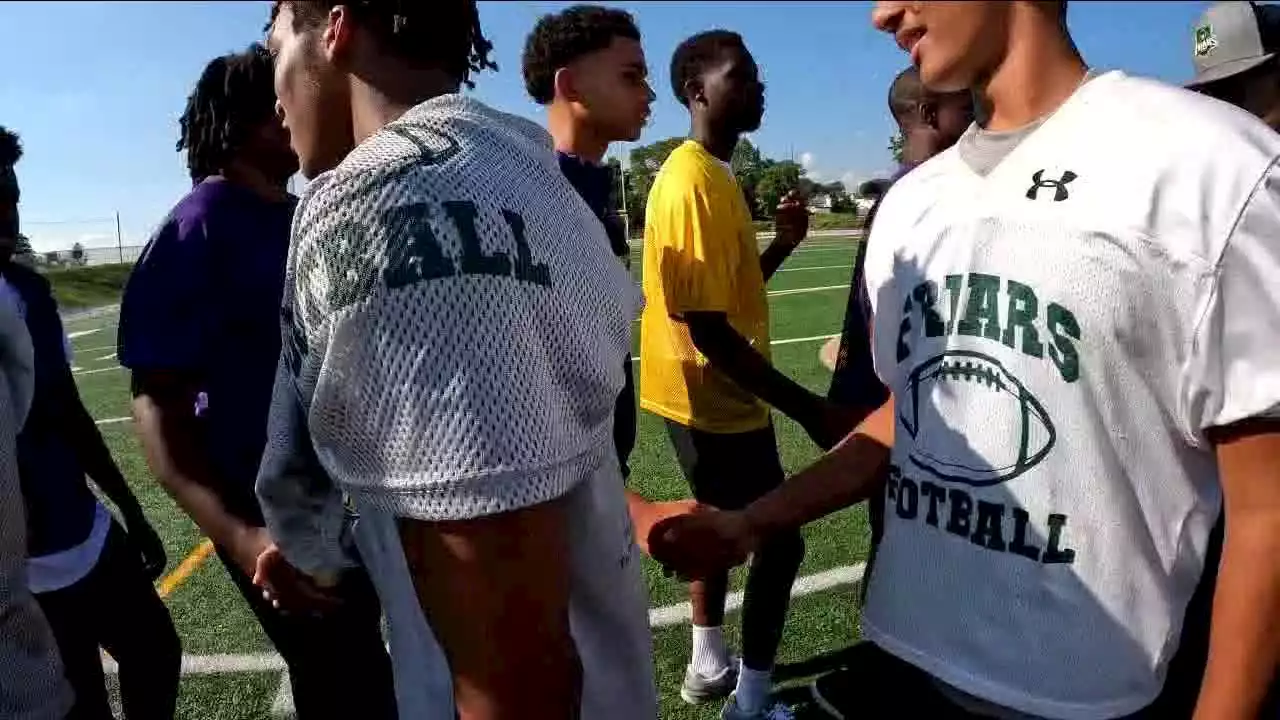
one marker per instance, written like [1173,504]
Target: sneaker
[831,693]
[773,711]
[698,688]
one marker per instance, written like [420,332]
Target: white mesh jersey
[455,332]
[1058,336]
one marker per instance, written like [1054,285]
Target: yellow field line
[185,569]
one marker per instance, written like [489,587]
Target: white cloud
[806,160]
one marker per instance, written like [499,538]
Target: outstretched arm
[1244,640]
[732,355]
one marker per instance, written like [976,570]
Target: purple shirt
[204,301]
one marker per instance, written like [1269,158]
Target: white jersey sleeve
[1233,373]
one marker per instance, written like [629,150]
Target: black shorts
[727,470]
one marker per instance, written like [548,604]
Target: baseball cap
[1232,37]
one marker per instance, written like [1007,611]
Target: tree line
[764,180]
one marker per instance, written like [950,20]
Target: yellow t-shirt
[699,255]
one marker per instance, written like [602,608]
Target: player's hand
[150,549]
[646,515]
[791,219]
[247,546]
[703,543]
[290,590]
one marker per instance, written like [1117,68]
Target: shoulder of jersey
[687,164]
[1178,129]
[443,138]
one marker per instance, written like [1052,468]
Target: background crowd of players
[440,434]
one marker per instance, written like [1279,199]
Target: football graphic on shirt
[972,421]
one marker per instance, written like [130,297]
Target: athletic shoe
[698,688]
[831,693]
[775,711]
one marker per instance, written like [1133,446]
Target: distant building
[821,203]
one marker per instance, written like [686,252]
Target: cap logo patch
[1206,41]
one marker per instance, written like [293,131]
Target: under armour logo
[1059,186]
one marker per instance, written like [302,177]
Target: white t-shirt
[455,331]
[1058,335]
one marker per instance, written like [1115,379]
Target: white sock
[710,654]
[754,687]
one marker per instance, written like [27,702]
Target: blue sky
[95,89]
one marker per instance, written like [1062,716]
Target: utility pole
[119,238]
[626,216]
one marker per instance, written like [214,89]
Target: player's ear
[693,91]
[927,114]
[565,87]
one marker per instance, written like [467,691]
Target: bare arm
[495,591]
[176,453]
[848,474]
[1244,640]
[776,254]
[94,456]
[731,354]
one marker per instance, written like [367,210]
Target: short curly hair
[696,54]
[563,37]
[440,33]
[10,147]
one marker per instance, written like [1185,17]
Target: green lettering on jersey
[1053,552]
[908,498]
[526,269]
[990,530]
[936,495]
[926,296]
[961,508]
[475,261]
[1064,328]
[415,253]
[1023,308]
[982,314]
[1019,545]
[348,263]
[955,284]
[904,329]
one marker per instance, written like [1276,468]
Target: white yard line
[788,341]
[112,421]
[800,291]
[95,371]
[82,333]
[659,617]
[112,356]
[100,348]
[814,267]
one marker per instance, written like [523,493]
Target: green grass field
[88,287]
[212,619]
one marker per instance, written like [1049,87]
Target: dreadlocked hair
[441,33]
[10,147]
[234,95]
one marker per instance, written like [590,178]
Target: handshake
[693,541]
[287,588]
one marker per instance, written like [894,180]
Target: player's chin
[941,76]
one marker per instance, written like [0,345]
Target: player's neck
[256,181]
[920,144]
[386,96]
[575,137]
[1040,71]
[720,143]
